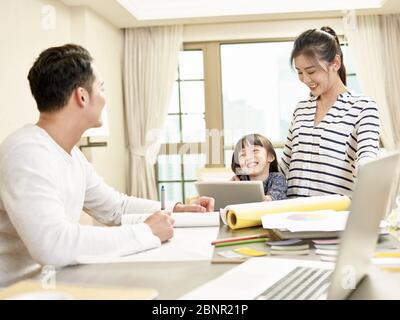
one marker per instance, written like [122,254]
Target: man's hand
[161,224]
[202,204]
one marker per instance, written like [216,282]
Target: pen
[255,236]
[232,243]
[162,198]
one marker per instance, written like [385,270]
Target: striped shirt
[322,159]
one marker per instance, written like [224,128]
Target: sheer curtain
[391,51]
[150,64]
[374,43]
[374,46]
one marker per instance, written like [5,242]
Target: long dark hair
[320,44]
[252,140]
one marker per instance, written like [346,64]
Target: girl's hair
[252,140]
[320,44]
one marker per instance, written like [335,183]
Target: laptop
[289,279]
[231,192]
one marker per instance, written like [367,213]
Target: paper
[326,220]
[249,214]
[386,261]
[188,244]
[229,254]
[251,252]
[182,219]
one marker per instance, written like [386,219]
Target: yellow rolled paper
[249,214]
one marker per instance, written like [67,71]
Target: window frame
[214,106]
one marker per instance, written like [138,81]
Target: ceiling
[135,13]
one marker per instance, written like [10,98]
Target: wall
[105,42]
[22,38]
[280,29]
[25,30]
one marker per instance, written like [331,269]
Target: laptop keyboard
[303,283]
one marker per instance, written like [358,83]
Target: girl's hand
[267,198]
[235,178]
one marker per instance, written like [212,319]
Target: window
[185,129]
[233,89]
[352,81]
[260,91]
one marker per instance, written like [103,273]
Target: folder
[33,290]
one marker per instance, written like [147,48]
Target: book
[249,214]
[323,252]
[290,253]
[283,234]
[328,258]
[182,219]
[327,246]
[291,248]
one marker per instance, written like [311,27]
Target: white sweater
[43,190]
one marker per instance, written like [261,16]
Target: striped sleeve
[287,153]
[367,127]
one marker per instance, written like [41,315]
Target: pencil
[162,198]
[232,243]
[255,236]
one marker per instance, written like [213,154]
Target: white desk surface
[174,279]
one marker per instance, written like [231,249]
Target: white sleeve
[106,205]
[28,190]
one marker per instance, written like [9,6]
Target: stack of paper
[293,247]
[322,224]
[306,225]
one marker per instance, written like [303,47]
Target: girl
[254,158]
[334,129]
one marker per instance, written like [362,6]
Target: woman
[334,130]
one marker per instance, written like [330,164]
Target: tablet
[231,192]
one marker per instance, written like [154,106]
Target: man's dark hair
[57,72]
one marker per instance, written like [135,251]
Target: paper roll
[249,214]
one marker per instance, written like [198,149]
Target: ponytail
[320,44]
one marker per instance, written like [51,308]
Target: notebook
[182,219]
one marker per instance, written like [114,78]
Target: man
[45,181]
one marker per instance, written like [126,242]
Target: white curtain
[374,43]
[150,65]
[391,50]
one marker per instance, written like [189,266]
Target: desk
[173,279]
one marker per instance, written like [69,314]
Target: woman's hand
[267,198]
